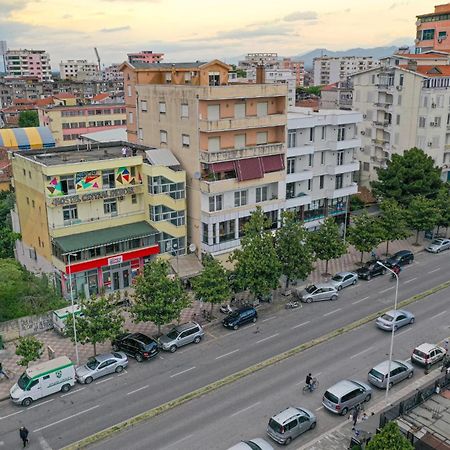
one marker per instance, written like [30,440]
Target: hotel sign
[89,196]
[115,260]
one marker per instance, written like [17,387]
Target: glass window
[68,184]
[290,165]
[108,179]
[240,198]
[340,158]
[144,105]
[322,158]
[324,133]
[311,134]
[261,194]
[184,110]
[204,233]
[428,35]
[110,206]
[162,107]
[215,203]
[227,230]
[341,133]
[310,160]
[185,140]
[130,117]
[292,138]
[321,181]
[290,190]
[70,212]
[163,136]
[339,181]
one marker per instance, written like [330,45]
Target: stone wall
[26,326]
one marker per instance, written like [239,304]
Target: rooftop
[299,113]
[186,65]
[434,71]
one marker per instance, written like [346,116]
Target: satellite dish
[197,175]
[192,248]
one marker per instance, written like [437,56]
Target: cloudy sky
[205,29]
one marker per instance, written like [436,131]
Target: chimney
[412,65]
[260,73]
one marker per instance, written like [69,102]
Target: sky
[189,30]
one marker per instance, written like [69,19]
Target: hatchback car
[427,354]
[101,365]
[344,279]
[395,318]
[240,317]
[252,444]
[137,345]
[438,245]
[378,376]
[370,269]
[317,293]
[346,394]
[400,258]
[181,335]
[290,423]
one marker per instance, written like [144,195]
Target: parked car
[438,245]
[395,318]
[427,354]
[344,279]
[371,269]
[378,376]
[290,423]
[240,317]
[346,394]
[137,345]
[101,365]
[317,293]
[181,335]
[252,444]
[400,258]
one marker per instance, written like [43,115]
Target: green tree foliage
[393,222]
[407,176]
[422,215]
[24,294]
[30,349]
[327,242]
[100,322]
[159,298]
[7,236]
[365,234]
[257,267]
[28,119]
[212,285]
[311,90]
[294,249]
[390,438]
[443,206]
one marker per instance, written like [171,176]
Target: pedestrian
[355,416]
[2,372]
[373,254]
[23,432]
[446,345]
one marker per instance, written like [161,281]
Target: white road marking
[360,353]
[332,312]
[43,443]
[137,390]
[300,324]
[267,338]
[409,281]
[104,381]
[123,373]
[403,331]
[183,371]
[160,357]
[435,270]
[318,374]
[13,414]
[179,440]
[269,318]
[65,418]
[359,301]
[388,289]
[245,409]
[227,354]
[41,403]
[73,392]
[437,315]
[318,409]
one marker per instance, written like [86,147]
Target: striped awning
[26,138]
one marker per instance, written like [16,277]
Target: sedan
[344,279]
[370,269]
[438,245]
[400,258]
[317,293]
[252,444]
[101,365]
[396,319]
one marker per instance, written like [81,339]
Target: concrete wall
[26,326]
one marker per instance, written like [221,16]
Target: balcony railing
[387,106]
[242,123]
[240,153]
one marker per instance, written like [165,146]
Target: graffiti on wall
[54,187]
[88,181]
[124,176]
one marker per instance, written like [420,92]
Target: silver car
[317,293]
[181,335]
[101,365]
[344,279]
[438,245]
[396,319]
[252,444]
[378,376]
[346,394]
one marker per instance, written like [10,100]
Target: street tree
[390,437]
[158,296]
[365,233]
[327,242]
[407,176]
[294,249]
[212,285]
[28,119]
[443,205]
[257,267]
[422,215]
[393,222]
[100,322]
[30,349]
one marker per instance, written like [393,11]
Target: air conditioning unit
[364,116]
[399,88]
[433,105]
[363,132]
[432,124]
[430,144]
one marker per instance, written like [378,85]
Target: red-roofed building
[101,98]
[432,30]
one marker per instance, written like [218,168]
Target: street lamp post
[73,309]
[345,218]
[391,349]
[175,253]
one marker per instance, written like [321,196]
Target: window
[261,138]
[324,133]
[162,107]
[261,109]
[310,184]
[32,203]
[401,79]
[397,119]
[341,133]
[70,212]
[204,233]
[339,158]
[311,134]
[185,140]
[292,139]
[184,110]
[214,78]
[144,105]
[141,133]
[427,35]
[240,198]
[227,230]
[290,165]
[28,200]
[310,160]
[339,181]
[108,179]
[399,100]
[67,185]
[133,199]
[163,136]
[321,181]
[163,213]
[290,190]
[130,117]
[110,206]
[129,90]
[322,158]
[261,194]
[422,121]
[437,121]
[215,203]
[239,141]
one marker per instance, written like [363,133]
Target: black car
[137,345]
[240,317]
[400,258]
[370,269]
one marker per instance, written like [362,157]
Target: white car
[427,354]
[438,245]
[252,444]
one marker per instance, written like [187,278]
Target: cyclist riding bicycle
[309,381]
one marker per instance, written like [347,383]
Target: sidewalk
[63,346]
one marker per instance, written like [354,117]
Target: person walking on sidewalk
[2,372]
[355,415]
[23,433]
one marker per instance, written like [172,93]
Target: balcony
[344,168]
[384,106]
[305,174]
[271,120]
[343,192]
[382,123]
[385,87]
[300,151]
[342,145]
[240,153]
[300,200]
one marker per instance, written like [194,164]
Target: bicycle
[312,387]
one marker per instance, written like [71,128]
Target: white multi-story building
[78,70]
[28,63]
[328,69]
[112,73]
[268,60]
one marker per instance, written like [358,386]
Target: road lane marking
[160,357]
[266,338]
[43,443]
[179,441]
[437,315]
[360,353]
[403,331]
[227,354]
[65,418]
[269,318]
[183,371]
[385,290]
[332,312]
[318,409]
[435,270]
[13,414]
[104,381]
[359,301]
[300,324]
[123,373]
[73,392]
[409,281]
[40,404]
[245,409]
[137,390]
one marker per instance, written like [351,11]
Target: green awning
[98,238]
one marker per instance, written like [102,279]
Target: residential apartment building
[79,70]
[67,123]
[338,95]
[297,67]
[112,73]
[97,214]
[268,60]
[433,29]
[28,63]
[328,69]
[145,56]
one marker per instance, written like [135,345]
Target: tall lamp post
[392,332]
[73,309]
[175,253]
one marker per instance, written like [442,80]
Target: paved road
[143,386]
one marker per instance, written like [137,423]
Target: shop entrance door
[116,280]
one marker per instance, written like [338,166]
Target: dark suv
[400,258]
[137,345]
[370,269]
[240,317]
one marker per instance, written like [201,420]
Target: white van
[60,317]
[43,379]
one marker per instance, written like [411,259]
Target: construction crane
[98,59]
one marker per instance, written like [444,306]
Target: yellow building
[99,213]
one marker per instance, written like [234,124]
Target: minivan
[181,335]
[427,354]
[399,371]
[240,317]
[346,394]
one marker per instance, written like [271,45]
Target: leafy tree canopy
[28,119]
[30,349]
[422,215]
[393,222]
[390,438]
[443,206]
